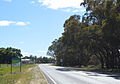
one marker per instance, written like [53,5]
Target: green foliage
[95,40]
[44,60]
[6,54]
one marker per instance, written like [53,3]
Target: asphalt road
[62,75]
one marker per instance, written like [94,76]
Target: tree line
[40,59]
[6,55]
[93,38]
[44,60]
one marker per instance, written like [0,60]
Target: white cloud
[62,4]
[22,23]
[8,23]
[8,0]
[32,2]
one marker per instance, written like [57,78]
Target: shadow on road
[93,72]
[67,69]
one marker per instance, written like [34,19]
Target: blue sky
[31,25]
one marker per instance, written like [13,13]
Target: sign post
[16,61]
[20,63]
[11,65]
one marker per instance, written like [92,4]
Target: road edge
[49,79]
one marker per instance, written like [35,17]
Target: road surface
[62,75]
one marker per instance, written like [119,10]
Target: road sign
[15,60]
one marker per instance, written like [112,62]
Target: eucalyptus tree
[97,37]
[105,14]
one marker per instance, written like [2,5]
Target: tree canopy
[94,40]
[6,54]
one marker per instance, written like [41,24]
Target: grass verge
[17,77]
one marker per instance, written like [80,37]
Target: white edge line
[48,77]
[43,74]
[52,79]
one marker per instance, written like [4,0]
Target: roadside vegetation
[6,77]
[45,60]
[30,74]
[13,70]
[91,39]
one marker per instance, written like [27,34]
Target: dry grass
[37,77]
[33,76]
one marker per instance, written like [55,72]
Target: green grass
[7,78]
[6,69]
